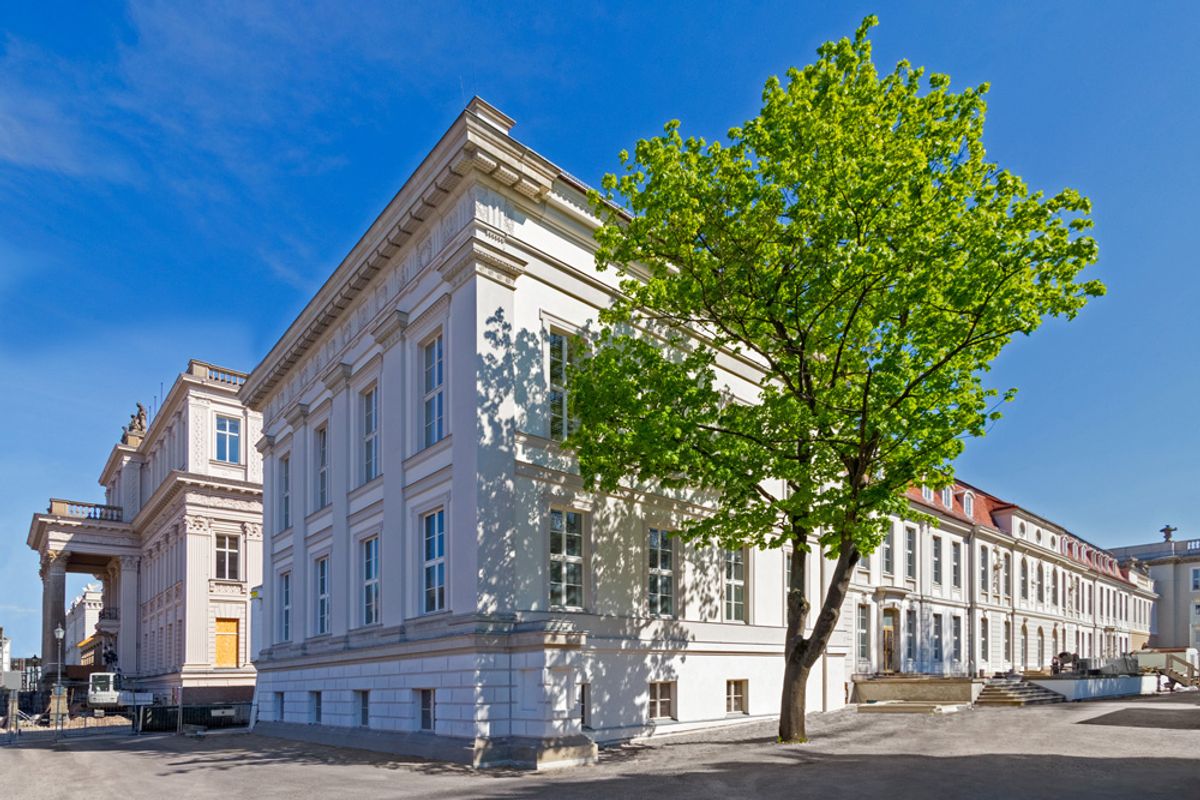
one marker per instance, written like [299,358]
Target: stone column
[127,632]
[54,609]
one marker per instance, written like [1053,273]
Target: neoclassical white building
[80,629]
[1174,567]
[177,544]
[989,587]
[438,581]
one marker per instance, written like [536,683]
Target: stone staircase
[999,692]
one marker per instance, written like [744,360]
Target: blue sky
[176,180]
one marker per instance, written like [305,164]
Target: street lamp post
[59,633]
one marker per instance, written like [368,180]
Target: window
[566,559]
[227,558]
[562,355]
[937,559]
[370,434]
[363,703]
[910,634]
[314,708]
[948,497]
[1041,584]
[956,638]
[321,577]
[428,702]
[969,504]
[1195,579]
[1053,586]
[285,493]
[937,637]
[1006,585]
[927,494]
[889,560]
[279,706]
[735,697]
[321,455]
[434,576]
[862,632]
[285,606]
[662,700]
[229,440]
[1007,640]
[985,583]
[661,589]
[956,564]
[985,650]
[1024,579]
[433,394]
[910,555]
[735,585]
[370,577]
[585,703]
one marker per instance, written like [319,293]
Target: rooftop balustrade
[211,372]
[78,509]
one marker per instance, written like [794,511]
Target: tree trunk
[791,714]
[802,652]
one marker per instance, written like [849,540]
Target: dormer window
[969,504]
[927,493]
[948,497]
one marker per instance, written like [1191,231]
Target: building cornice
[477,142]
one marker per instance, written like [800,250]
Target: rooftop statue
[136,426]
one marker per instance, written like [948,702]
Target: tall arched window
[1041,662]
[1024,579]
[969,504]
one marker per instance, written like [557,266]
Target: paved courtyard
[1142,747]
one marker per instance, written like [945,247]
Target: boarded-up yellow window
[227,642]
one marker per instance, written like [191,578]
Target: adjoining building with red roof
[985,586]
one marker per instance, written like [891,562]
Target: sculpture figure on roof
[136,426]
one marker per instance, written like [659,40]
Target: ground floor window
[363,705]
[662,700]
[937,637]
[279,706]
[735,697]
[314,708]
[585,702]
[428,701]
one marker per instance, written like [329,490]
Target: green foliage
[853,246]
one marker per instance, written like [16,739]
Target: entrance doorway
[891,628]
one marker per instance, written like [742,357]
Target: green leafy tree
[853,246]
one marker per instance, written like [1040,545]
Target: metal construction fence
[208,716]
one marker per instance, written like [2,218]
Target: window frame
[737,697]
[888,556]
[285,491]
[936,545]
[284,631]
[661,695]
[910,553]
[433,417]
[948,497]
[234,436]
[558,398]
[426,709]
[939,651]
[321,463]
[370,605]
[567,561]
[433,565]
[728,582]
[658,575]
[322,596]
[219,551]
[369,466]
[956,550]
[969,504]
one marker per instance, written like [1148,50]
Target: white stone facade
[177,544]
[81,621]
[438,580]
[1174,568]
[989,588]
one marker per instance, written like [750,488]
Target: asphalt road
[1143,747]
